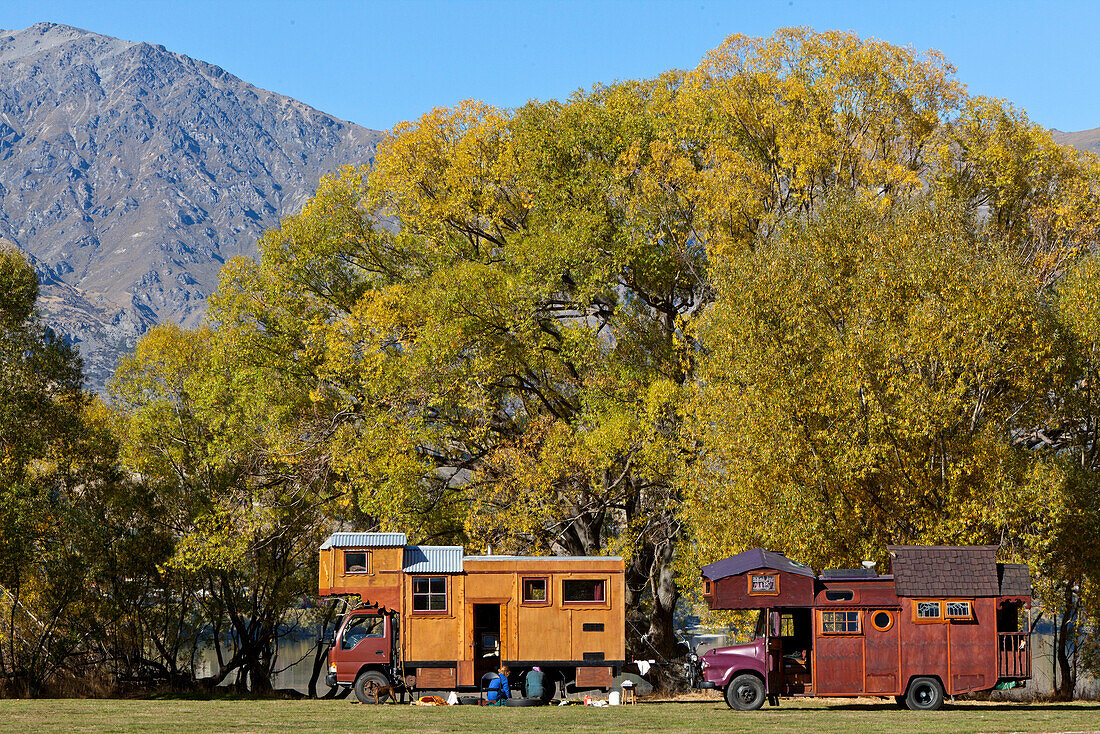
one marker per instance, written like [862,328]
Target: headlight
[332,668]
[694,657]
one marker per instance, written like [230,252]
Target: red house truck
[432,617]
[947,620]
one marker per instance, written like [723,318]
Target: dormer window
[763,584]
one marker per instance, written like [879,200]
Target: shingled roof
[751,560]
[945,570]
[1015,579]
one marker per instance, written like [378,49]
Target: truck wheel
[367,683]
[745,693]
[925,694]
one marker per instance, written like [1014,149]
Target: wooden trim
[445,611]
[524,601]
[602,603]
[942,618]
[368,562]
[958,617]
[889,626]
[774,574]
[917,619]
[859,622]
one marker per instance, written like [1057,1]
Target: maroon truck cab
[363,650]
[948,620]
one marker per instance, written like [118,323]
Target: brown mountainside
[130,174]
[1084,140]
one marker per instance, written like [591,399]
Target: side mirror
[327,638]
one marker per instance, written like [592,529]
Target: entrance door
[487,639]
[796,645]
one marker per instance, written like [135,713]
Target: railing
[1014,655]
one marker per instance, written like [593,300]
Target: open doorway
[796,643]
[486,636]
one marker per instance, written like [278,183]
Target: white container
[613,698]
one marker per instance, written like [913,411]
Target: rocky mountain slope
[130,174]
[1084,140]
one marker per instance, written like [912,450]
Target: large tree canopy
[800,295]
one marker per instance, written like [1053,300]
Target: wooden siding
[732,592]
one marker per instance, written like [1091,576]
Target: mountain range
[129,175]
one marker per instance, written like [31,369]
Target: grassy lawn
[863,716]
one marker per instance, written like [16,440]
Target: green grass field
[863,716]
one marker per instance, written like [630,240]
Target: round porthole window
[882,620]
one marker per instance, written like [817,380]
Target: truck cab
[364,642]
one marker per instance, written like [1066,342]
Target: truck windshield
[360,628]
[761,620]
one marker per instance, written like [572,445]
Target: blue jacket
[498,689]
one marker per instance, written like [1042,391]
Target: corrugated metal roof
[432,559]
[364,540]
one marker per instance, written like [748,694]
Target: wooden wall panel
[923,647]
[732,592]
[882,655]
[974,649]
[837,662]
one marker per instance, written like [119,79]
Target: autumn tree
[241,509]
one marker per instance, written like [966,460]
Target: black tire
[745,693]
[522,702]
[924,694]
[366,684]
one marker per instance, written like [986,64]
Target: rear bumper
[708,684]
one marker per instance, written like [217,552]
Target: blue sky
[376,63]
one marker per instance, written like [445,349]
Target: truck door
[773,643]
[363,640]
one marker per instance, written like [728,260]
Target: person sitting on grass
[499,690]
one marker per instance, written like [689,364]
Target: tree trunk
[1066,635]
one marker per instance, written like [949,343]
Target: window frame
[918,619]
[600,603]
[546,601]
[849,615]
[888,626]
[949,617]
[368,562]
[849,595]
[429,594]
[755,574]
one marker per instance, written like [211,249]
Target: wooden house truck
[438,619]
[947,620]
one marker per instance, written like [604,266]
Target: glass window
[430,594]
[840,595]
[882,620]
[958,610]
[928,610]
[357,562]
[534,590]
[360,628]
[582,591]
[763,583]
[840,623]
